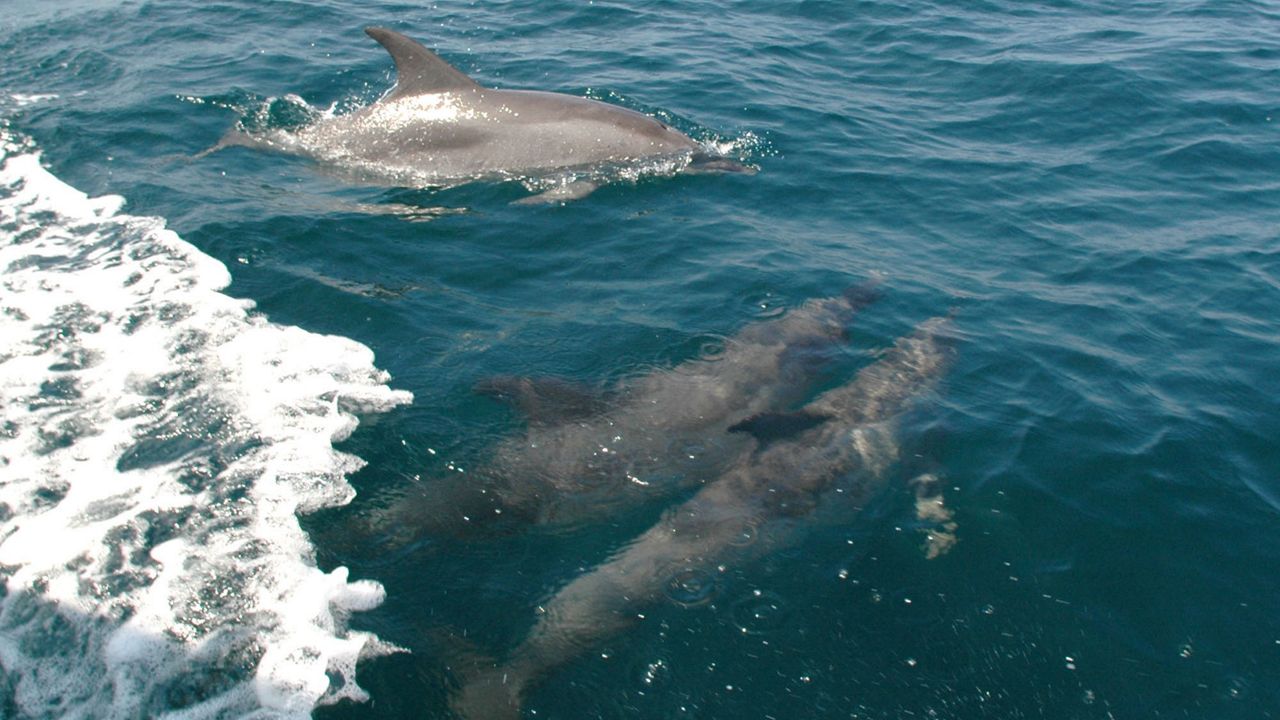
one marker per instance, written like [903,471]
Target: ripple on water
[762,612]
[692,587]
[713,348]
[764,305]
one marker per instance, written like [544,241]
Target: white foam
[157,440]
[25,99]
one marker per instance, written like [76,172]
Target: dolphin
[438,127]
[585,453]
[837,447]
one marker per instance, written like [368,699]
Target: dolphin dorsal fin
[770,426]
[418,70]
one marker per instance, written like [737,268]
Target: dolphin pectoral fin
[706,163]
[565,192]
[492,695]
[418,70]
[768,427]
[544,401]
[487,690]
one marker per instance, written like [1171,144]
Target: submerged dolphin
[585,454]
[438,127]
[840,445]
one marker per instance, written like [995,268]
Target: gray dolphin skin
[586,454]
[438,127]
[837,449]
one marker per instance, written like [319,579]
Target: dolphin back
[418,70]
[884,388]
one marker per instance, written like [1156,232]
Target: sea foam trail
[157,440]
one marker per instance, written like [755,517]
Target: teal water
[1091,188]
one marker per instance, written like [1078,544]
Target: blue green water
[1093,188]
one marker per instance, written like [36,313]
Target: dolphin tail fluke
[207,151]
[230,138]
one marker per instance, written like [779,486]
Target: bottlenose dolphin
[438,127]
[839,446]
[585,453]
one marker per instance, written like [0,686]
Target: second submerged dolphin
[438,127]
[841,444]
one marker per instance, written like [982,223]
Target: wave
[157,440]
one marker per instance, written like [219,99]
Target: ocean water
[238,388]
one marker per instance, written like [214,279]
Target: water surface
[186,527]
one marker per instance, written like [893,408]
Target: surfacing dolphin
[836,450]
[586,454]
[438,127]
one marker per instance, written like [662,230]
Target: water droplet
[1237,687]
[766,305]
[653,671]
[748,534]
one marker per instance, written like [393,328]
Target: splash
[157,440]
